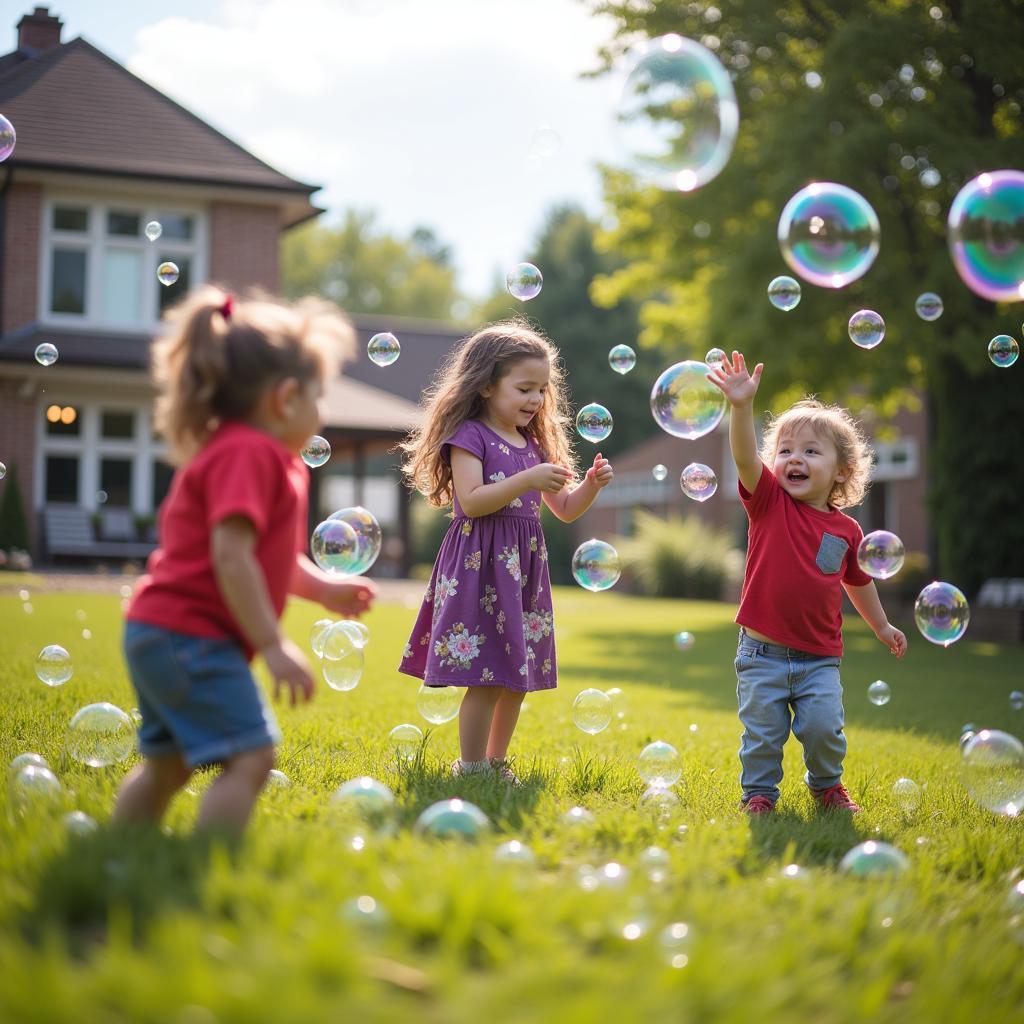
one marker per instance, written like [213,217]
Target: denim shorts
[197,696]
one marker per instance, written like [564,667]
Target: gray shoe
[460,769]
[500,767]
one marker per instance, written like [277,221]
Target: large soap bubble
[880,554]
[596,565]
[344,673]
[942,613]
[659,764]
[524,282]
[592,711]
[335,547]
[406,740]
[100,735]
[452,819]
[35,791]
[368,535]
[685,403]
[439,704]
[383,348]
[594,422]
[874,858]
[53,665]
[698,481]
[992,770]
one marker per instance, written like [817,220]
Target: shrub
[13,524]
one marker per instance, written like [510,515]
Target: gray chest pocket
[831,552]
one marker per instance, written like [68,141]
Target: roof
[354,406]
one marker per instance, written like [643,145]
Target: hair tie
[227,307]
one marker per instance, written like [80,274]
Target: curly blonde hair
[455,396]
[213,363]
[837,425]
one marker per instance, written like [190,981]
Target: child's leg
[762,692]
[148,789]
[230,800]
[503,724]
[475,716]
[818,721]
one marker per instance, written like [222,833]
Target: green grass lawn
[160,927]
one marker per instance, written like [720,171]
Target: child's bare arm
[479,499]
[739,388]
[348,596]
[869,606]
[570,505]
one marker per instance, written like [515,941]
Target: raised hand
[733,380]
[549,477]
[600,473]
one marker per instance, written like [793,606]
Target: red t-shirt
[797,559]
[241,471]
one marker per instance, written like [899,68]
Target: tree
[13,524]
[904,102]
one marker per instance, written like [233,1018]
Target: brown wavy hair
[835,423]
[454,397]
[209,368]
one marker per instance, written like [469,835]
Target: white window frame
[895,460]
[95,241]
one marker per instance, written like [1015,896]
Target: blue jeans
[779,688]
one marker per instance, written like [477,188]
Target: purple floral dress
[486,618]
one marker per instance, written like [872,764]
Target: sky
[468,116]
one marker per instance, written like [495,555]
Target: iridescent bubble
[154,229]
[675,941]
[1003,350]
[908,794]
[46,354]
[942,613]
[3,471]
[622,359]
[596,565]
[685,403]
[343,674]
[8,137]
[684,640]
[317,634]
[784,293]
[660,472]
[578,816]
[167,273]
[992,771]
[335,546]
[316,452]
[78,823]
[879,693]
[592,711]
[368,536]
[35,790]
[874,858]
[677,117]
[100,735]
[515,853]
[880,554]
[1016,700]
[928,306]
[867,328]
[698,481]
[383,349]
[53,665]
[594,422]
[659,764]
[986,235]
[439,704]
[715,357]
[829,234]
[406,740]
[524,281]
[452,819]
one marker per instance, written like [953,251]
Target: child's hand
[732,379]
[600,473]
[288,666]
[549,477]
[893,639]
[348,598]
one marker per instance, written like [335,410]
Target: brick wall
[21,255]
[244,246]
[17,440]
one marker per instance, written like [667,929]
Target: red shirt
[241,471]
[797,559]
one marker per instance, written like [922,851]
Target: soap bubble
[339,639]
[880,554]
[524,281]
[35,790]
[874,858]
[592,711]
[364,912]
[167,273]
[594,422]
[829,234]
[698,481]
[622,359]
[154,229]
[618,699]
[515,853]
[908,794]
[343,674]
[53,665]
[867,328]
[24,761]
[359,630]
[335,546]
[317,634]
[383,349]
[928,306]
[368,536]
[715,357]
[675,941]
[100,735]
[439,704]
[684,640]
[1003,350]
[368,798]
[685,403]
[3,471]
[546,143]
[879,693]
[452,819]
[941,613]
[277,779]
[1016,700]
[784,293]
[406,740]
[659,764]
[316,452]
[677,117]
[992,770]
[46,354]
[660,803]
[8,137]
[985,235]
[656,864]
[578,816]
[78,823]
[595,565]
[660,472]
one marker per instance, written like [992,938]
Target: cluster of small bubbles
[35,790]
[154,229]
[369,537]
[992,771]
[928,306]
[383,349]
[866,328]
[874,858]
[715,357]
[659,764]
[406,740]
[1003,350]
[684,641]
[334,546]
[618,699]
[276,779]
[942,613]
[452,819]
[578,816]
[596,565]
[1016,700]
[438,704]
[364,912]
[698,481]
[8,137]
[784,293]
[316,452]
[344,673]
[53,665]
[317,634]
[46,354]
[594,422]
[622,359]
[78,823]
[515,853]
[524,282]
[660,472]
[656,864]
[829,234]
[100,735]
[879,693]
[675,941]
[908,794]
[167,273]
[880,554]
[984,235]
[592,711]
[685,403]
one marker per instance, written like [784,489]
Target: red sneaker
[835,798]
[759,805]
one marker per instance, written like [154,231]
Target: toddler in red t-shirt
[801,556]
[240,384]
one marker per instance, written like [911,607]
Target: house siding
[22,212]
[244,250]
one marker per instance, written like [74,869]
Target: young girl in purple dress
[494,444]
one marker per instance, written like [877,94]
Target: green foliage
[13,523]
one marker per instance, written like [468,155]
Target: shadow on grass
[820,839]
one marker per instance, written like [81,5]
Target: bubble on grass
[524,281]
[594,422]
[316,452]
[660,803]
[46,354]
[452,819]
[1003,351]
[874,858]
[879,693]
[928,306]
[368,535]
[277,779]
[514,852]
[578,816]
[592,711]
[596,565]
[659,764]
[317,634]
[406,739]
[794,872]
[53,665]
[154,229]
[698,481]
[881,554]
[86,634]
[675,941]
[100,735]
[660,472]
[784,293]
[167,273]
[344,673]
[335,546]
[439,704]
[35,791]
[908,795]
[715,357]
[684,640]
[618,699]
[685,403]
[992,771]
[866,328]
[8,138]
[364,912]
[1016,700]
[622,359]
[28,759]
[942,613]
[383,349]
[655,864]
[78,823]
[368,800]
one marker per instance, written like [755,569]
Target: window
[121,223]
[71,218]
[67,284]
[116,423]
[62,478]
[162,474]
[63,421]
[122,286]
[116,481]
